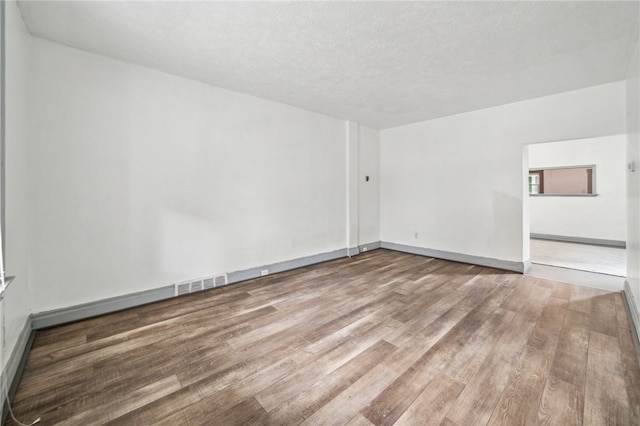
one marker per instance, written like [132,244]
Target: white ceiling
[382,64]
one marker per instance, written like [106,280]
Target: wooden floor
[382,338]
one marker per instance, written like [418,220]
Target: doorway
[577,205]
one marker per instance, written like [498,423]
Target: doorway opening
[576,200]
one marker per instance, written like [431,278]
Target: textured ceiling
[382,64]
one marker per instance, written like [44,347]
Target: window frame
[591,183]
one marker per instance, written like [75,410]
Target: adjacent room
[577,201]
[219,213]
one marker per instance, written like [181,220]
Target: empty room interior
[344,213]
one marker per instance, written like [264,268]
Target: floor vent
[196,286]
[192,286]
[220,280]
[208,283]
[183,288]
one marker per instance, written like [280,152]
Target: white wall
[602,217]
[458,181]
[633,181]
[369,192]
[17,298]
[145,179]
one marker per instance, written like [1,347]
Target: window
[572,180]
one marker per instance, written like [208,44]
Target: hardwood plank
[561,404]
[520,401]
[168,407]
[237,391]
[562,290]
[603,315]
[629,359]
[297,382]
[422,340]
[545,333]
[200,399]
[100,349]
[301,406]
[43,346]
[350,401]
[570,360]
[441,325]
[248,412]
[520,296]
[582,298]
[482,393]
[339,322]
[391,403]
[120,405]
[454,278]
[478,400]
[622,314]
[431,406]
[465,364]
[359,420]
[606,400]
[236,365]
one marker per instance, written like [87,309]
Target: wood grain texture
[382,338]
[606,400]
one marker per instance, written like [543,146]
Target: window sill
[563,195]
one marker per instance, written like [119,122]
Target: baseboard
[274,268]
[369,246]
[458,257]
[580,240]
[577,277]
[114,304]
[100,307]
[635,316]
[16,362]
